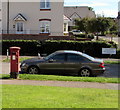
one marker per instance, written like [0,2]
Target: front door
[73,63]
[19,28]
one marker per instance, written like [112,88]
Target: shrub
[28,47]
[80,35]
[91,36]
[91,48]
[33,47]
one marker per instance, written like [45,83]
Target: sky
[108,8]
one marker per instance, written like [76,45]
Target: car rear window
[87,56]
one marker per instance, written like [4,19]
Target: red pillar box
[14,62]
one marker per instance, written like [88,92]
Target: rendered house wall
[31,11]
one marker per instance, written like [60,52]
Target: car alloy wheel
[33,70]
[85,72]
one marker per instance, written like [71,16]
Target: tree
[95,25]
[82,25]
[113,26]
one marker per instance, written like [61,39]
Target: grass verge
[28,96]
[112,62]
[63,78]
[21,59]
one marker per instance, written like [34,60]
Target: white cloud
[94,4]
[107,13]
[84,1]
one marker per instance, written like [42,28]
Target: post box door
[15,62]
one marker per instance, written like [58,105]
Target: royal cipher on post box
[14,62]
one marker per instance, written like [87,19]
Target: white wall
[31,10]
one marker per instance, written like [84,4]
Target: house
[0,17]
[118,18]
[41,17]
[77,12]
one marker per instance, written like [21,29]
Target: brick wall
[31,37]
[38,37]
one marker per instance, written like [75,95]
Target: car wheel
[33,70]
[85,72]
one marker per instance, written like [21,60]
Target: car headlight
[23,64]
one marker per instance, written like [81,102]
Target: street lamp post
[8,17]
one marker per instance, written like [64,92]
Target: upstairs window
[45,4]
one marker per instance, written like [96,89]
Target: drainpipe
[8,17]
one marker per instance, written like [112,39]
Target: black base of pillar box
[14,75]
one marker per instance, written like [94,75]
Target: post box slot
[13,53]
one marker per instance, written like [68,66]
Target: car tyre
[33,70]
[85,72]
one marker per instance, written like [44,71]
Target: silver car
[64,61]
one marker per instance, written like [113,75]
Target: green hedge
[91,36]
[80,35]
[28,47]
[33,47]
[89,47]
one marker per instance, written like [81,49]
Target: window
[59,57]
[44,26]
[75,58]
[45,4]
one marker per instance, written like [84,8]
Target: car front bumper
[24,68]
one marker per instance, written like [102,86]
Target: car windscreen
[49,56]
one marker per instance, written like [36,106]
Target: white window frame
[65,27]
[22,31]
[46,2]
[44,27]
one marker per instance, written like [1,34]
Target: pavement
[64,84]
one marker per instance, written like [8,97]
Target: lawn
[111,62]
[21,59]
[28,96]
[63,78]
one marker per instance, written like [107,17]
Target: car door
[73,63]
[55,64]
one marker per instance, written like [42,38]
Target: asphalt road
[112,70]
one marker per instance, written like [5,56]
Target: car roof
[69,51]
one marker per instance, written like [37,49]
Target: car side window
[58,57]
[75,58]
